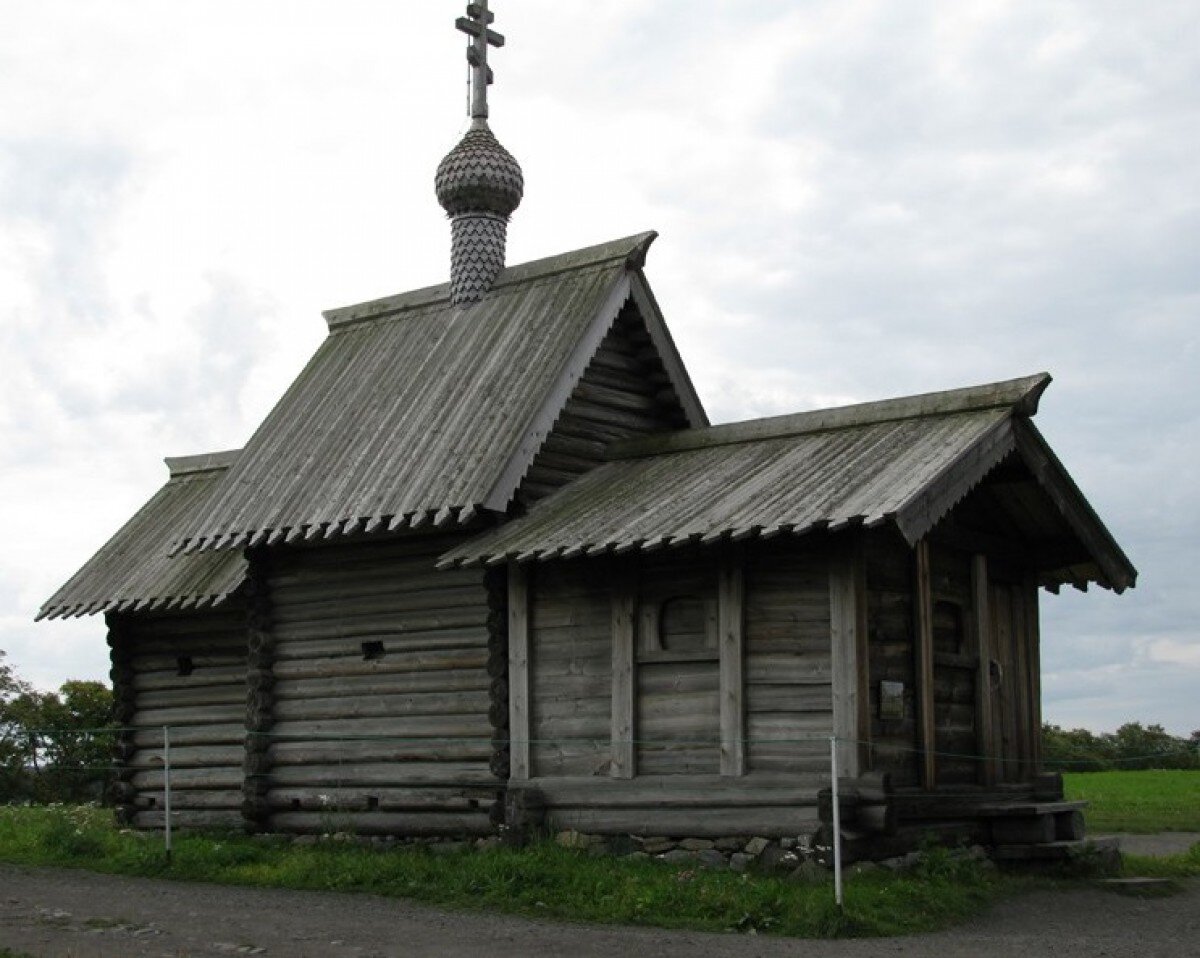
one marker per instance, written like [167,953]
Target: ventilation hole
[184,665]
[472,803]
[295,804]
[372,803]
[149,801]
[372,651]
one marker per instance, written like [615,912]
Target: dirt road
[51,913]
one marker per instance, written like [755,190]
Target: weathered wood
[675,791]
[415,824]
[730,601]
[924,667]
[982,634]
[844,640]
[519,724]
[770,821]
[1033,637]
[398,774]
[624,716]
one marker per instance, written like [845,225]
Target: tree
[54,746]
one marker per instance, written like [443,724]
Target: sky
[856,199]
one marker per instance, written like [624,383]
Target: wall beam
[518,671]
[624,679]
[926,728]
[848,639]
[731,594]
[982,634]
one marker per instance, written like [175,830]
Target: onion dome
[479,176]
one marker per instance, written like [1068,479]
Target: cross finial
[475,25]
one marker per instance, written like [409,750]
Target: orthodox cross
[475,25]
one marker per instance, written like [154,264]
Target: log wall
[570,669]
[381,691]
[955,664]
[788,657]
[674,787]
[186,671]
[891,650]
[624,392]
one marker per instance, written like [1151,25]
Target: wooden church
[486,561]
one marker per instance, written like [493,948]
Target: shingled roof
[905,461]
[417,411]
[133,570]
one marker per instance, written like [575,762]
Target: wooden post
[926,733]
[1033,633]
[730,605]
[846,634]
[982,632]
[624,680]
[518,670]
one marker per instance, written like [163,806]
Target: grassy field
[1141,802]
[558,883]
[544,880]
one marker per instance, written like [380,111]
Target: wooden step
[1028,809]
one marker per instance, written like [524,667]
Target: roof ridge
[632,249]
[1020,395]
[201,462]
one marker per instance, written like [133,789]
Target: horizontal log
[200,662]
[371,683]
[473,636]
[383,706]
[546,683]
[352,582]
[197,756]
[454,798]
[215,734]
[198,715]
[229,799]
[210,676]
[674,791]
[398,774]
[367,626]
[390,602]
[208,624]
[770,822]
[188,818]
[226,694]
[405,727]
[190,778]
[789,698]
[787,669]
[684,761]
[787,760]
[785,726]
[288,667]
[414,824]
[322,753]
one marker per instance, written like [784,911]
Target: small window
[683,624]
[372,803]
[949,627]
[372,651]
[184,665]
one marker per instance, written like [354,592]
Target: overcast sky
[855,199]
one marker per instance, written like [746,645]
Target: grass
[543,880]
[1141,802]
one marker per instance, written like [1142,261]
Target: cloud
[856,199]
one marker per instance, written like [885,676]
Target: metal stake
[837,824]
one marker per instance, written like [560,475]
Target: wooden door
[1013,676]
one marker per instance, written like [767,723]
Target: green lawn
[543,880]
[1142,802]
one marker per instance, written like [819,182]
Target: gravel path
[53,913]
